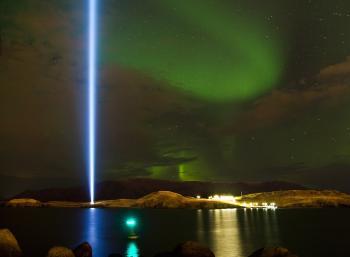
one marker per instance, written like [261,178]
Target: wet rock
[273,252]
[59,251]
[83,250]
[8,244]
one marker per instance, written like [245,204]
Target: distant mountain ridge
[11,185]
[136,188]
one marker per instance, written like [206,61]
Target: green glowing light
[131,222]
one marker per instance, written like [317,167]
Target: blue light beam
[92,45]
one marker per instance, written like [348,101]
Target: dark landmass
[136,188]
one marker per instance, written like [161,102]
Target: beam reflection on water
[92,227]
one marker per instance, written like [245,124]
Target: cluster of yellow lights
[226,198]
[256,205]
[232,199]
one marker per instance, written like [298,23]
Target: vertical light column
[92,45]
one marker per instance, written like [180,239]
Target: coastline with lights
[171,200]
[230,199]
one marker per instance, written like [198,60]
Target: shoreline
[156,200]
[170,200]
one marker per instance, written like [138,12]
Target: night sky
[239,90]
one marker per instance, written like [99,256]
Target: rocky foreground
[167,199]
[9,247]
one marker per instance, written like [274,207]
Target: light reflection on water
[103,233]
[225,237]
[132,250]
[92,227]
[230,233]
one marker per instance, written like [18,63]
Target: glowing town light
[92,94]
[226,198]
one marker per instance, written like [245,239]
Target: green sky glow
[189,89]
[201,49]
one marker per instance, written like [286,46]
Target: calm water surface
[229,233]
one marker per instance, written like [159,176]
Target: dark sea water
[229,233]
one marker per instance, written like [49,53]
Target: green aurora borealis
[201,49]
[189,90]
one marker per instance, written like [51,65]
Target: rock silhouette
[273,252]
[8,244]
[59,251]
[83,250]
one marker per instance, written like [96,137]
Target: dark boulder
[273,252]
[8,244]
[83,250]
[188,249]
[59,251]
